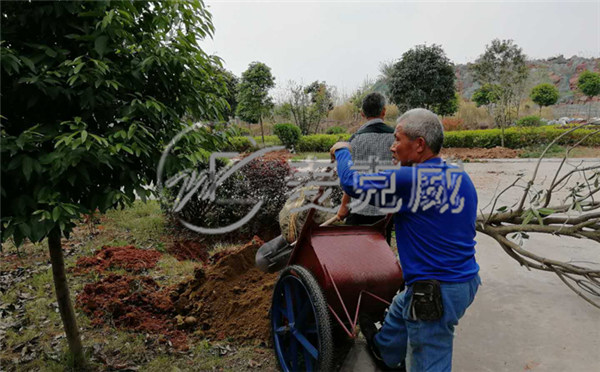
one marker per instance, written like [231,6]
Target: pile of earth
[480,153]
[132,302]
[230,299]
[188,250]
[128,257]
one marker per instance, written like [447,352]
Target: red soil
[132,302]
[128,258]
[188,250]
[479,153]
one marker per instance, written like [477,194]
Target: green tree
[424,77]
[309,105]
[502,65]
[231,82]
[91,93]
[487,95]
[358,96]
[253,97]
[544,95]
[449,107]
[589,84]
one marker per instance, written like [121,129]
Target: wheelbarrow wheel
[300,323]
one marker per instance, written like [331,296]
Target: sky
[344,42]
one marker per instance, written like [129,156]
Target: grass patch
[169,270]
[144,223]
[536,151]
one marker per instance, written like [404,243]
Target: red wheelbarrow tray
[354,266]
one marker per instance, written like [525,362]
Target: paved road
[520,320]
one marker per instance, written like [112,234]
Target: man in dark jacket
[370,145]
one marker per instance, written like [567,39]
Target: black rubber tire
[321,313]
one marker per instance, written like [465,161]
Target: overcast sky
[344,42]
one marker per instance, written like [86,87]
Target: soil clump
[136,303]
[188,250]
[128,257]
[230,299]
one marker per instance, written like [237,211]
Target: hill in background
[560,71]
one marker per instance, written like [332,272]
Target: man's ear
[362,114]
[382,113]
[421,145]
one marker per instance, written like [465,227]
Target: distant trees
[253,94]
[424,77]
[589,84]
[544,95]
[91,93]
[502,67]
[309,105]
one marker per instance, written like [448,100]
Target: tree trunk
[64,301]
[262,130]
[502,135]
[540,111]
[589,110]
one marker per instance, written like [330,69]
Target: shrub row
[319,142]
[487,138]
[518,137]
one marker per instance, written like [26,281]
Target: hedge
[515,138]
[487,138]
[319,142]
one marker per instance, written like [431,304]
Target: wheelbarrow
[333,273]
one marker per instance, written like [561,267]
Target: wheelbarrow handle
[330,221]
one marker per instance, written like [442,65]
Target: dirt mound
[128,257]
[230,299]
[479,153]
[132,302]
[188,250]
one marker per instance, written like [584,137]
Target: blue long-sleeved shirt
[434,206]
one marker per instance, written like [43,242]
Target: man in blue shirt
[434,206]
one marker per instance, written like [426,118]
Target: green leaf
[100,44]
[27,62]
[50,52]
[536,213]
[55,213]
[84,134]
[27,167]
[25,229]
[546,211]
[528,217]
[78,68]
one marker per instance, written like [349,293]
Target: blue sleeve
[388,186]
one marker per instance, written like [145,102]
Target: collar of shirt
[372,121]
[433,161]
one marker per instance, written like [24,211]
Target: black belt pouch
[426,301]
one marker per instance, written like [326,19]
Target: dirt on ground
[480,153]
[132,302]
[188,250]
[128,257]
[230,299]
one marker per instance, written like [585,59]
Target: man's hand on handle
[337,146]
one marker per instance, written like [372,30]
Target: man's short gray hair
[420,122]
